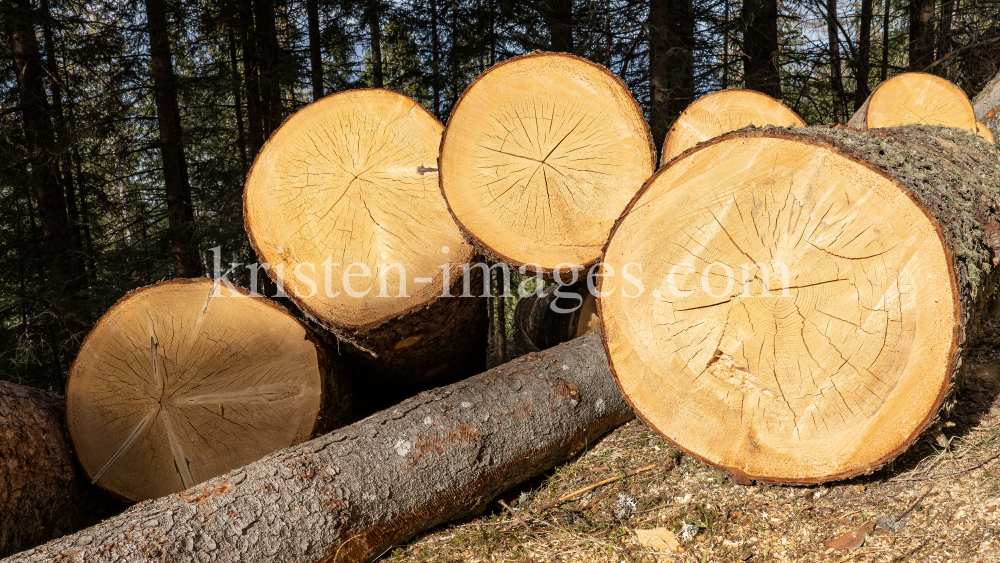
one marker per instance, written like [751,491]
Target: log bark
[721,112]
[44,493]
[541,154]
[808,316]
[343,204]
[987,105]
[555,315]
[184,380]
[915,98]
[352,494]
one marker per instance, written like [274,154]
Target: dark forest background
[127,126]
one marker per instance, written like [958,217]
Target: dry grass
[954,465]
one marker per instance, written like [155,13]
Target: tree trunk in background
[241,134]
[435,60]
[559,20]
[251,72]
[921,49]
[375,38]
[884,74]
[64,160]
[44,493]
[836,78]
[863,68]
[270,65]
[944,34]
[315,49]
[760,47]
[180,211]
[671,63]
[352,494]
[62,257]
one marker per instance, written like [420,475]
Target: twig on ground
[523,523]
[578,492]
[946,475]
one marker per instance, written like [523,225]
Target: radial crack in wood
[915,98]
[721,112]
[541,154]
[803,318]
[216,388]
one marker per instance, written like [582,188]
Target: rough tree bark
[44,493]
[846,332]
[987,105]
[557,314]
[671,63]
[180,211]
[352,494]
[760,47]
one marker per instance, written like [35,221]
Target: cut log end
[722,112]
[916,98]
[344,198]
[801,314]
[541,155]
[185,380]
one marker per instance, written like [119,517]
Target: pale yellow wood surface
[916,98]
[173,387]
[819,376]
[351,181]
[721,112]
[541,155]
[983,131]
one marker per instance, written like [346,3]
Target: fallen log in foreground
[805,318]
[43,491]
[352,494]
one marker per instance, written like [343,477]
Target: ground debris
[851,540]
[928,505]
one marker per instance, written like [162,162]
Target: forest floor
[942,497]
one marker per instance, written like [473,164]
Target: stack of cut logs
[790,304]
